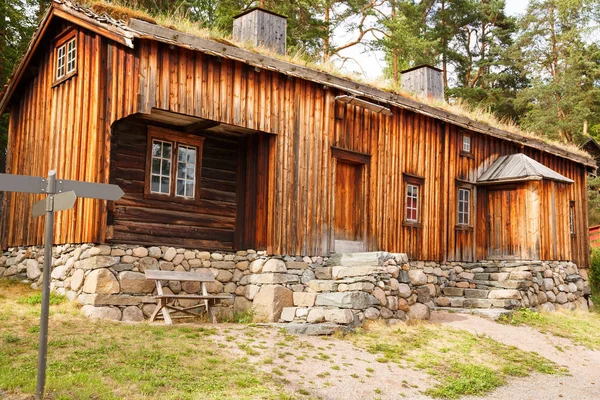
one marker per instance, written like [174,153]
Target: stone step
[490,313]
[367,259]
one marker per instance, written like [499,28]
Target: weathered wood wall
[293,168]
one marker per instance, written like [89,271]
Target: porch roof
[519,167]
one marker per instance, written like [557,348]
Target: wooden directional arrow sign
[101,191]
[22,183]
[62,201]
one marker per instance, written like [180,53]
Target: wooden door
[503,225]
[349,214]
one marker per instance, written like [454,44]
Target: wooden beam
[200,126]
[146,30]
[379,109]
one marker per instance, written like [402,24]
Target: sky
[370,64]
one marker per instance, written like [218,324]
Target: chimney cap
[248,11]
[421,66]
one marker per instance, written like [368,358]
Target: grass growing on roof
[580,327]
[180,22]
[460,362]
[107,360]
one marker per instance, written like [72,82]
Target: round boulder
[101,281]
[418,311]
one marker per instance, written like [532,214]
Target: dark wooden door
[349,215]
[503,227]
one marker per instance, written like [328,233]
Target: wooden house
[218,147]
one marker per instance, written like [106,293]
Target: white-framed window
[572,218]
[173,164]
[412,203]
[60,62]
[160,181]
[466,144]
[66,58]
[186,171]
[464,206]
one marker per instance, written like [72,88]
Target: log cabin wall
[138,219]
[296,213]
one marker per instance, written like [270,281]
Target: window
[572,218]
[466,144]
[464,206]
[174,160]
[413,192]
[66,57]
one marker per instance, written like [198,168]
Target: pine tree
[564,68]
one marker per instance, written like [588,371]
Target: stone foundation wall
[108,281]
[545,285]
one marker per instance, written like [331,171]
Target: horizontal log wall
[210,223]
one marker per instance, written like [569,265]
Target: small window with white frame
[66,57]
[464,206]
[412,203]
[572,218]
[466,144]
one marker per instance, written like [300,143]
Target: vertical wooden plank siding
[293,166]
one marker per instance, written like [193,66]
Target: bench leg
[166,314]
[159,306]
[209,312]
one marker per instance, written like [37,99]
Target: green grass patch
[580,327]
[36,298]
[106,360]
[436,349]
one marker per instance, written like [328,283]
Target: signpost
[61,195]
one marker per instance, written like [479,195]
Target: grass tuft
[36,298]
[580,327]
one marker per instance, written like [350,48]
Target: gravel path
[583,364]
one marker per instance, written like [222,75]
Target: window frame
[572,229]
[176,139]
[469,204]
[412,180]
[463,152]
[62,41]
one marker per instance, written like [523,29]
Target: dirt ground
[361,377]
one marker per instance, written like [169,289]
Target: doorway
[349,212]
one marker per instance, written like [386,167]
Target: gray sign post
[61,196]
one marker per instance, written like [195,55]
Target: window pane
[180,187]
[190,172]
[155,184]
[155,166]
[181,154]
[156,149]
[191,156]
[166,167]
[166,150]
[164,184]
[189,189]
[181,170]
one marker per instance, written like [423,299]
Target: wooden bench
[166,302]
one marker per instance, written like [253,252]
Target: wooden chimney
[424,81]
[261,28]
